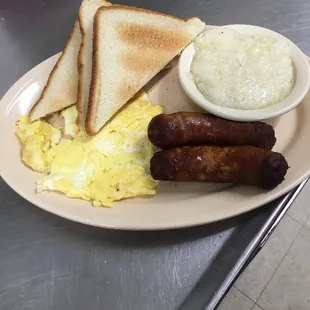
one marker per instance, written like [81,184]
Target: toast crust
[79,104]
[134,9]
[59,106]
[92,107]
[80,66]
[149,35]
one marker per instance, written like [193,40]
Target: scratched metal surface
[50,263]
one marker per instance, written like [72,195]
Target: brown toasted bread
[131,46]
[87,12]
[60,90]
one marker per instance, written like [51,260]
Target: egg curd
[108,167]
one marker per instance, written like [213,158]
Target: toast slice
[131,46]
[87,12]
[60,90]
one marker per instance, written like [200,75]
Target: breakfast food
[87,88]
[104,151]
[131,46]
[60,90]
[192,128]
[110,166]
[87,12]
[246,165]
[241,71]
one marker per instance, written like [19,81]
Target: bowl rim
[302,75]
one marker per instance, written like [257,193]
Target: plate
[176,205]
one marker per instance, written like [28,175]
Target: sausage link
[247,165]
[191,128]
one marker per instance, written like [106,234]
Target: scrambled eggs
[108,167]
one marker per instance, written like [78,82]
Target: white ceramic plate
[175,205]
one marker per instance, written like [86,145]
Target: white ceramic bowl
[301,87]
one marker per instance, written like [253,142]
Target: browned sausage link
[246,165]
[190,128]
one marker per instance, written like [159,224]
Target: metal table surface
[47,262]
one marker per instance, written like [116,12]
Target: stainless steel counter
[47,262]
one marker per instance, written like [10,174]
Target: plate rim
[269,197]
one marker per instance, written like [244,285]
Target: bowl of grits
[244,72]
